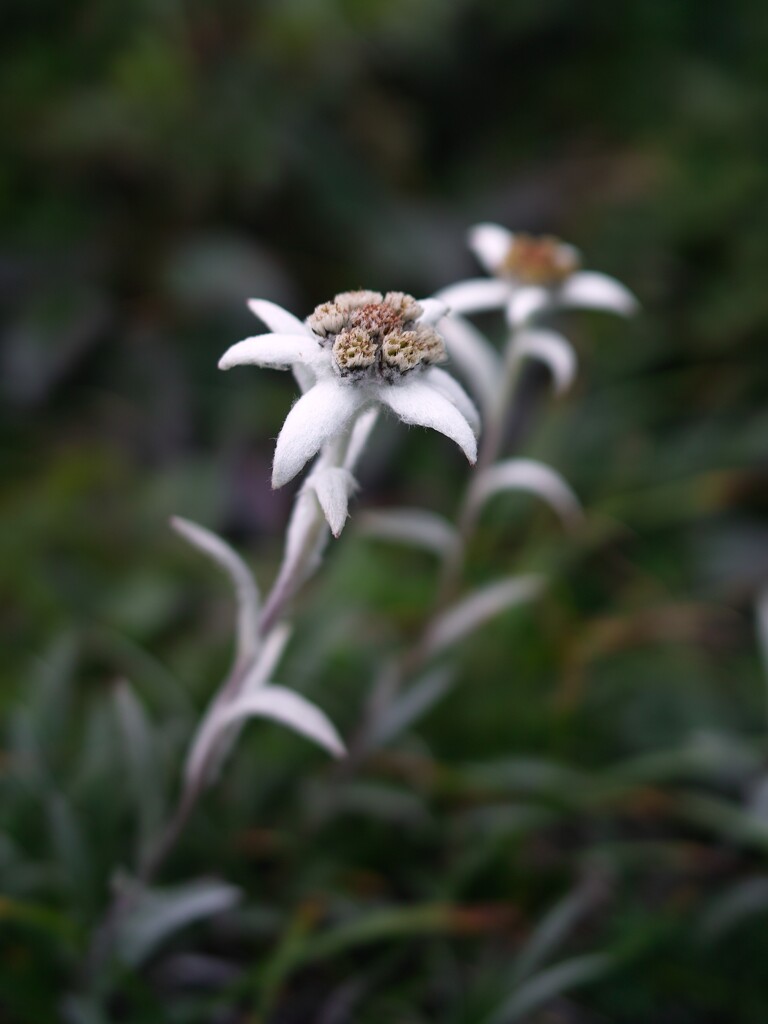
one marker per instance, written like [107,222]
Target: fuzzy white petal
[551,348]
[333,486]
[361,431]
[477,609]
[414,527]
[304,377]
[590,290]
[532,476]
[475,296]
[454,392]
[322,413]
[290,709]
[526,302]
[433,310]
[277,351]
[276,318]
[490,243]
[241,576]
[474,356]
[417,403]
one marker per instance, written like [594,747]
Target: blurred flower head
[361,349]
[532,275]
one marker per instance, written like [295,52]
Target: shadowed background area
[603,751]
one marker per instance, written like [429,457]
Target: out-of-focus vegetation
[602,757]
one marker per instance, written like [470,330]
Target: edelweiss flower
[362,349]
[532,275]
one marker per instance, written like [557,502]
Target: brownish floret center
[542,261]
[376,318]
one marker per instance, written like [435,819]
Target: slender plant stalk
[395,673]
[289,578]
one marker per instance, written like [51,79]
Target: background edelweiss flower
[532,275]
[362,349]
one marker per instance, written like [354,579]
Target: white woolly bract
[318,416]
[418,403]
[332,486]
[588,289]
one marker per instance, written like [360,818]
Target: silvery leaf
[242,579]
[215,738]
[332,486]
[414,527]
[550,983]
[411,706]
[534,477]
[738,903]
[160,913]
[139,756]
[480,607]
[554,928]
[551,348]
[290,709]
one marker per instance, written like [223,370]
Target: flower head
[361,349]
[532,275]
[376,336]
[543,260]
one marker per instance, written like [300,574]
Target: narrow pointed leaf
[475,296]
[275,351]
[590,290]
[318,416]
[419,404]
[534,477]
[553,982]
[276,318]
[739,903]
[333,487]
[215,738]
[139,755]
[480,607]
[414,527]
[551,348]
[161,913]
[554,929]
[290,709]
[246,591]
[411,706]
[450,388]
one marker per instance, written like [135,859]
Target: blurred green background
[600,764]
